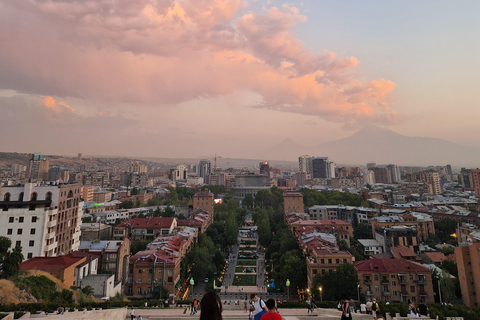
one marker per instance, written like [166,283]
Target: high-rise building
[319,167]
[136,166]
[466,179]
[179,173]
[394,173]
[264,167]
[37,167]
[382,175]
[203,200]
[305,164]
[475,173]
[468,264]
[204,168]
[17,168]
[43,219]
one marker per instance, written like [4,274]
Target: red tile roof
[148,223]
[389,265]
[403,252]
[436,257]
[49,263]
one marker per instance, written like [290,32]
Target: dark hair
[211,307]
[252,296]
[270,304]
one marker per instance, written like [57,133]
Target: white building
[44,219]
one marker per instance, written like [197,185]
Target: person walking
[422,308]
[211,307]
[375,309]
[259,305]
[245,305]
[346,315]
[132,314]
[309,306]
[271,314]
[368,306]
[351,306]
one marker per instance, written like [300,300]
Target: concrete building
[203,200]
[137,166]
[475,174]
[141,229]
[468,265]
[37,169]
[370,247]
[43,219]
[103,285]
[305,164]
[113,256]
[382,175]
[397,236]
[102,196]
[395,280]
[430,177]
[95,231]
[292,202]
[87,193]
[71,268]
[204,168]
[323,168]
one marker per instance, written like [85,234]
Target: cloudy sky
[177,78]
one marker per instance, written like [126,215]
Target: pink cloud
[161,53]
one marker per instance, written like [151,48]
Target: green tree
[362,231]
[264,232]
[127,204]
[10,259]
[444,229]
[231,230]
[447,286]
[339,284]
[248,201]
[138,246]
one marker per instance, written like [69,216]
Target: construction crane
[215,157]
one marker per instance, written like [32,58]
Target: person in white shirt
[363,308]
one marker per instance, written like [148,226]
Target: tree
[231,230]
[264,232]
[138,246]
[362,231]
[248,201]
[444,229]
[88,291]
[127,204]
[10,260]
[339,284]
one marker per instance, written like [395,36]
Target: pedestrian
[250,314]
[351,306]
[272,314]
[369,307]
[146,304]
[309,306]
[132,314]
[191,307]
[375,309]
[211,307]
[422,308]
[346,315]
[245,305]
[413,313]
[139,317]
[259,305]
[195,305]
[363,308]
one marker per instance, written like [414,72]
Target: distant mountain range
[382,146]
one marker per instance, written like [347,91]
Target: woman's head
[211,307]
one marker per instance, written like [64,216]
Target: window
[21,219]
[411,277]
[32,231]
[377,288]
[18,243]
[9,231]
[20,196]
[29,255]
[10,220]
[33,197]
[6,197]
[31,243]
[34,219]
[48,196]
[412,288]
[139,280]
[139,291]
[394,283]
[392,276]
[395,293]
[376,277]
[19,231]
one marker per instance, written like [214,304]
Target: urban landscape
[111,229]
[234,159]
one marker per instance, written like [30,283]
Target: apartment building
[395,280]
[44,219]
[468,264]
[292,202]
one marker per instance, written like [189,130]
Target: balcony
[385,281]
[421,281]
[367,281]
[369,293]
[386,293]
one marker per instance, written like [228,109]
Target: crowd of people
[258,309]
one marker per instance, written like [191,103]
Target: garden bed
[245,280]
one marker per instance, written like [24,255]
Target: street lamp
[192,283]
[358,292]
[320,289]
[287,284]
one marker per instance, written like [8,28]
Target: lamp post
[320,289]
[287,284]
[192,283]
[358,292]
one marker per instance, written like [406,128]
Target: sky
[190,78]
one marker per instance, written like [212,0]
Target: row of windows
[21,219]
[19,231]
[31,243]
[33,196]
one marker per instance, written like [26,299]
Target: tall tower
[37,167]
[204,168]
[305,164]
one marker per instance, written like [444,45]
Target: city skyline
[179,79]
